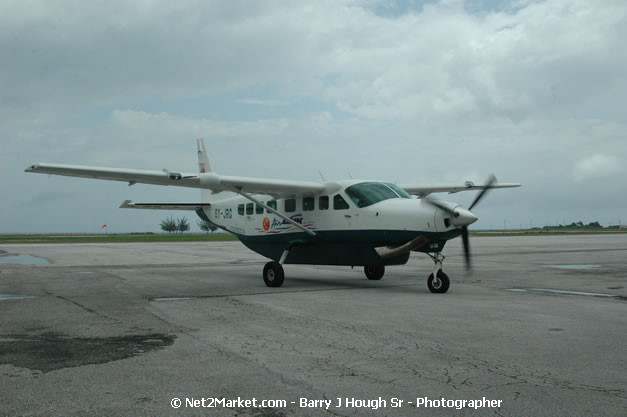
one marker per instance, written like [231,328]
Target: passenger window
[249,209]
[323,202]
[308,203]
[272,204]
[339,203]
[240,209]
[258,209]
[290,205]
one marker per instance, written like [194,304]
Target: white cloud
[258,102]
[599,166]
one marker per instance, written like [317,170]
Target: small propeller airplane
[351,222]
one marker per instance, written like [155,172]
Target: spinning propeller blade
[466,247]
[464,228]
[489,184]
[440,205]
[466,242]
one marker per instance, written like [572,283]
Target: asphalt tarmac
[538,329]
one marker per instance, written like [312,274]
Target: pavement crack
[89,310]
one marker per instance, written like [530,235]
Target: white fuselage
[338,224]
[238,215]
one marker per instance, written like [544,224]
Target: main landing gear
[438,281]
[273,274]
[374,272]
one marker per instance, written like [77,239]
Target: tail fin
[203,159]
[203,166]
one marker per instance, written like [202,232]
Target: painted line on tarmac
[4,297]
[566,292]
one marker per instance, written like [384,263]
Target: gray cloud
[434,92]
[46,198]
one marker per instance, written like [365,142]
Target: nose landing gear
[438,281]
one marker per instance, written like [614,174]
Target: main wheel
[374,272]
[273,274]
[440,285]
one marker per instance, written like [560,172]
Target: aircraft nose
[463,217]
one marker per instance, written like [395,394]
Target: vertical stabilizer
[203,159]
[203,166]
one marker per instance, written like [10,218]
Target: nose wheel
[440,284]
[438,281]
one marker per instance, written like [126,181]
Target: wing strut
[270,209]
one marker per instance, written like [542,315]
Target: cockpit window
[365,194]
[398,190]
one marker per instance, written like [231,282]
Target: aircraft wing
[275,188]
[210,180]
[131,176]
[423,191]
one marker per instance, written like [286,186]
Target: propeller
[466,216]
[440,205]
[491,181]
[488,185]
[466,244]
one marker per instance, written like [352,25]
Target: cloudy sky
[411,92]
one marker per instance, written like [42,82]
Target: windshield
[367,193]
[398,190]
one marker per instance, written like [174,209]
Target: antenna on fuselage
[322,176]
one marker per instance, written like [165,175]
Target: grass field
[116,238]
[221,237]
[549,232]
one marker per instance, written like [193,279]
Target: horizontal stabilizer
[165,206]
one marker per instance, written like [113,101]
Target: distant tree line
[181,225]
[172,225]
[575,225]
[207,226]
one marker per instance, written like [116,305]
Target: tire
[374,272]
[443,285]
[273,274]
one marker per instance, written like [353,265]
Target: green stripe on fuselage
[341,247]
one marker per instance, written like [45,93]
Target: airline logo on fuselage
[278,225]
